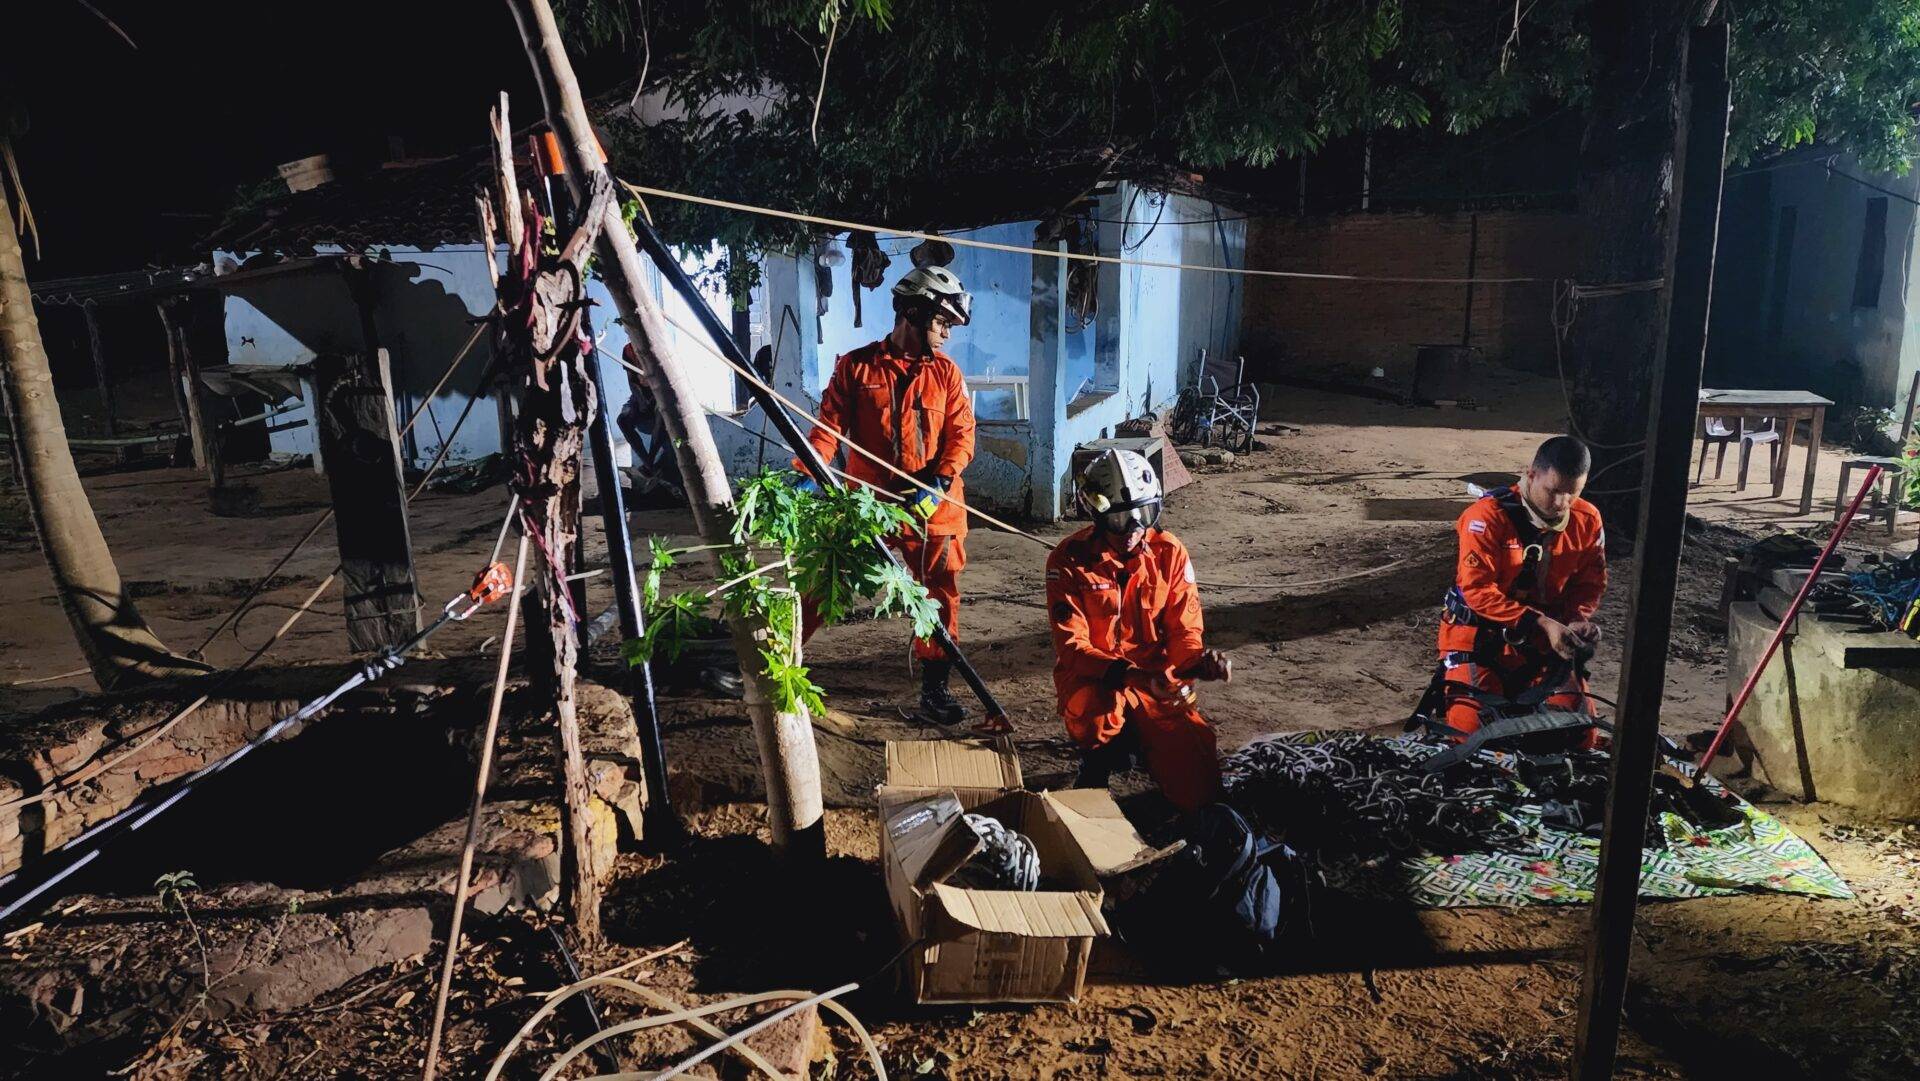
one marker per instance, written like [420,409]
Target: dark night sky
[125,144]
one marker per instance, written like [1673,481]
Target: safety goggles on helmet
[1129,517]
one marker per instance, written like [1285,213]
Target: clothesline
[959,241]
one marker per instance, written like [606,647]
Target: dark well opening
[305,812]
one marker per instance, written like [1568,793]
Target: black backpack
[1226,901]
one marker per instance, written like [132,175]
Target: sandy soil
[1790,986]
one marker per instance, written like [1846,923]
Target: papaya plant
[787,545]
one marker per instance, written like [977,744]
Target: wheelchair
[1209,414]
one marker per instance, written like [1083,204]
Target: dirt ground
[1359,490]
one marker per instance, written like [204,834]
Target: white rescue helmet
[935,289]
[1120,492]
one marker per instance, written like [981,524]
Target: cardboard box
[973,945]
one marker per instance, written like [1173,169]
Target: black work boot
[936,704]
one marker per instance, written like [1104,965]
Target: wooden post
[100,380]
[206,448]
[1700,149]
[788,757]
[539,341]
[353,416]
[365,291]
[175,377]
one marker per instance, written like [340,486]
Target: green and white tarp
[1561,867]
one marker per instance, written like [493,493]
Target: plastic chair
[1768,433]
[1715,431]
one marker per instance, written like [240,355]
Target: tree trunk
[538,340]
[119,647]
[789,761]
[1625,193]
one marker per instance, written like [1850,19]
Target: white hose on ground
[678,1014]
[765,1022]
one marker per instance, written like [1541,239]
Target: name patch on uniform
[1476,526]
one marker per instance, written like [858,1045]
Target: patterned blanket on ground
[1557,866]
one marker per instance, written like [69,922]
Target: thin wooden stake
[473,815]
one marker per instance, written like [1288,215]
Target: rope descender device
[494,582]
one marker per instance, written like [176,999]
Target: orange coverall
[914,413]
[1496,644]
[1114,611]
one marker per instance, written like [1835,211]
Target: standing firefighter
[1127,637]
[902,400]
[1531,571]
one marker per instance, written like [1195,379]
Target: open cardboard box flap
[952,763]
[1110,842]
[930,838]
[1074,914]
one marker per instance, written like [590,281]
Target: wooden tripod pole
[789,760]
[473,815]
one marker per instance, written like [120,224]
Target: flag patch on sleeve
[1476,526]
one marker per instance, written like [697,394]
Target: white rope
[1018,249]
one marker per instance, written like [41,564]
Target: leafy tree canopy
[931,92]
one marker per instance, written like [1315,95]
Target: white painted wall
[423,316]
[1145,340]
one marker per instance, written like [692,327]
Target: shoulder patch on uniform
[1189,572]
[1475,525]
[1053,574]
[1473,559]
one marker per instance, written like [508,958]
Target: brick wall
[1315,328]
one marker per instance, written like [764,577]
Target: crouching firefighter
[1518,625]
[1127,638]
[904,401]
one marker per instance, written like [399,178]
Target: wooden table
[1791,406]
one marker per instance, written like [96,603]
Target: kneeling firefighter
[1518,623]
[904,401]
[1128,639]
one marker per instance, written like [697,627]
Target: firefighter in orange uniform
[1532,568]
[903,400]
[1127,638]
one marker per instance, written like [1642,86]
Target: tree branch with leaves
[820,547]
